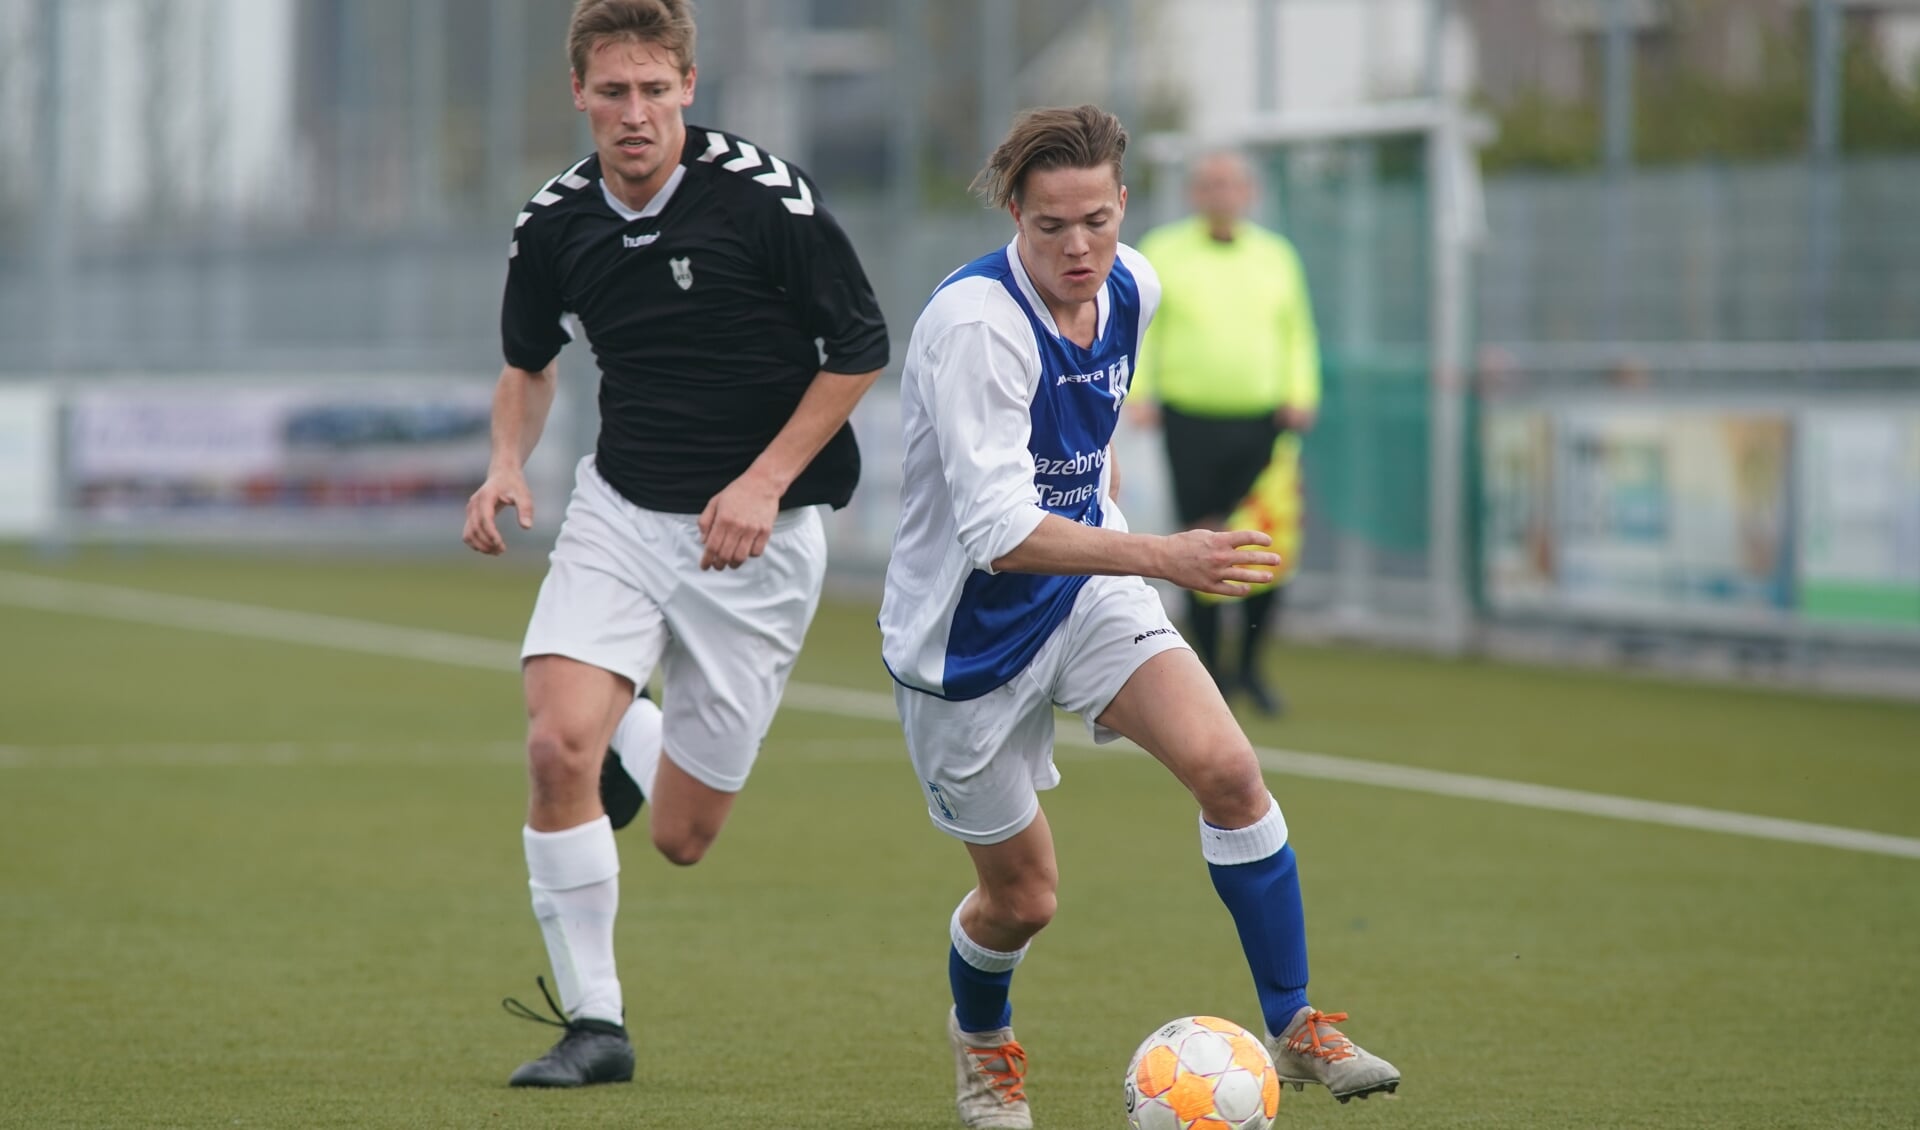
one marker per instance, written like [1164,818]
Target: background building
[1502,205]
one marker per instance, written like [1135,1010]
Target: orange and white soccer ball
[1202,1073]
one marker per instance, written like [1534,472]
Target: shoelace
[1309,1041]
[515,1008]
[1007,1078]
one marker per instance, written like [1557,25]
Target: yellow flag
[1272,506]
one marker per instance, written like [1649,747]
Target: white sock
[1256,841]
[977,955]
[575,878]
[638,738]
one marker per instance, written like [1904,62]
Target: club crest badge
[682,272]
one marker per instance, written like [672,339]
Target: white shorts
[625,593]
[982,762]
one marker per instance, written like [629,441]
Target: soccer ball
[1202,1073]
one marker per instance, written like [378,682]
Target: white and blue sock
[981,979]
[575,878]
[1254,872]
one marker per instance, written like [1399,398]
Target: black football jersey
[709,316]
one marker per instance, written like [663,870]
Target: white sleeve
[979,386]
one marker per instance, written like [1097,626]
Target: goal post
[1383,202]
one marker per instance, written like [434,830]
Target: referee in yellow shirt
[1230,363]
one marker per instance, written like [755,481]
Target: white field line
[218,754]
[120,755]
[368,637]
[255,622]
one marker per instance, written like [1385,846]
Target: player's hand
[502,489]
[1142,413]
[738,522]
[1221,562]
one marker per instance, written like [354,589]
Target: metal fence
[1705,253]
[337,206]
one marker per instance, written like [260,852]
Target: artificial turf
[259,883]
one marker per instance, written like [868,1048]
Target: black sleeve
[811,258]
[530,331]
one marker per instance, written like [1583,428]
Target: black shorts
[1215,460]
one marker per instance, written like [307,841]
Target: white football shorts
[624,592]
[983,762]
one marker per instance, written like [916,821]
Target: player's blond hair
[666,23]
[1078,137]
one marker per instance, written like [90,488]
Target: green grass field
[248,882]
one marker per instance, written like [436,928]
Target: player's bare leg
[1244,839]
[687,814]
[572,708]
[573,869]
[1198,740]
[1015,898]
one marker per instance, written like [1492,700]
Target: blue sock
[1262,892]
[979,997]
[980,978]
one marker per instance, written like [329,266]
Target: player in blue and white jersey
[1015,587]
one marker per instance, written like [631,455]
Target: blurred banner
[1680,509]
[29,495]
[1860,529]
[255,454]
[1728,516]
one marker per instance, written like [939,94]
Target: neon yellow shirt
[1234,332]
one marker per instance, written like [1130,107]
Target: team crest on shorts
[682,272]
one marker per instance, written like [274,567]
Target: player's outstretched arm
[521,401]
[1203,560]
[738,521]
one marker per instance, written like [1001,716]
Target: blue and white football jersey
[1005,422]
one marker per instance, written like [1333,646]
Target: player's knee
[683,846]
[1231,792]
[556,757]
[1030,909]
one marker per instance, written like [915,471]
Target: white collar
[654,206]
[1103,303]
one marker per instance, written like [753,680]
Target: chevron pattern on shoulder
[776,176]
[570,180]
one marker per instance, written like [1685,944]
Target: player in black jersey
[734,331]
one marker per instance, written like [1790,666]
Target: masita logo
[1117,376]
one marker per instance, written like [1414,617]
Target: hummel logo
[639,240]
[1144,636]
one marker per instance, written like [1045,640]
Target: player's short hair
[667,23]
[1078,137]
